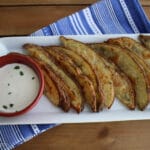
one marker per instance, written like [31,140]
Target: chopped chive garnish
[5,107]
[8,84]
[9,93]
[21,73]
[17,67]
[11,105]
[33,78]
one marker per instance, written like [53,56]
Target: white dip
[19,86]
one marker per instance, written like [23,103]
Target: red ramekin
[26,60]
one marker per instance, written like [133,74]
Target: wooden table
[22,17]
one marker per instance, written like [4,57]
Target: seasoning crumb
[21,73]
[5,107]
[11,105]
[17,67]
[8,84]
[9,93]
[33,78]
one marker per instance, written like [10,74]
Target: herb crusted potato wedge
[103,75]
[84,82]
[76,98]
[128,65]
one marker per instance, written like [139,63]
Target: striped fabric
[104,17]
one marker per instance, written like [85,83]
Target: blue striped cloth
[104,17]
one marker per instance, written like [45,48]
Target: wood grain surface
[22,17]
[27,19]
[53,2]
[131,135]
[45,2]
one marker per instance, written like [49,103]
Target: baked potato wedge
[122,85]
[69,66]
[133,46]
[145,40]
[55,89]
[79,62]
[140,61]
[103,75]
[51,90]
[76,98]
[135,55]
[129,66]
[124,90]
[85,69]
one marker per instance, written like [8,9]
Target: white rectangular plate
[45,112]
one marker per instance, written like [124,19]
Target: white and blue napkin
[103,17]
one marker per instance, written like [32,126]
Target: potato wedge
[145,40]
[51,90]
[132,45]
[84,82]
[129,66]
[64,95]
[55,88]
[85,69]
[73,90]
[123,88]
[134,54]
[140,61]
[80,62]
[103,75]
[122,85]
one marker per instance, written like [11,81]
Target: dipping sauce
[19,86]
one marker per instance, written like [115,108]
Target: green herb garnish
[21,73]
[17,67]
[5,107]
[9,93]
[33,78]
[11,105]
